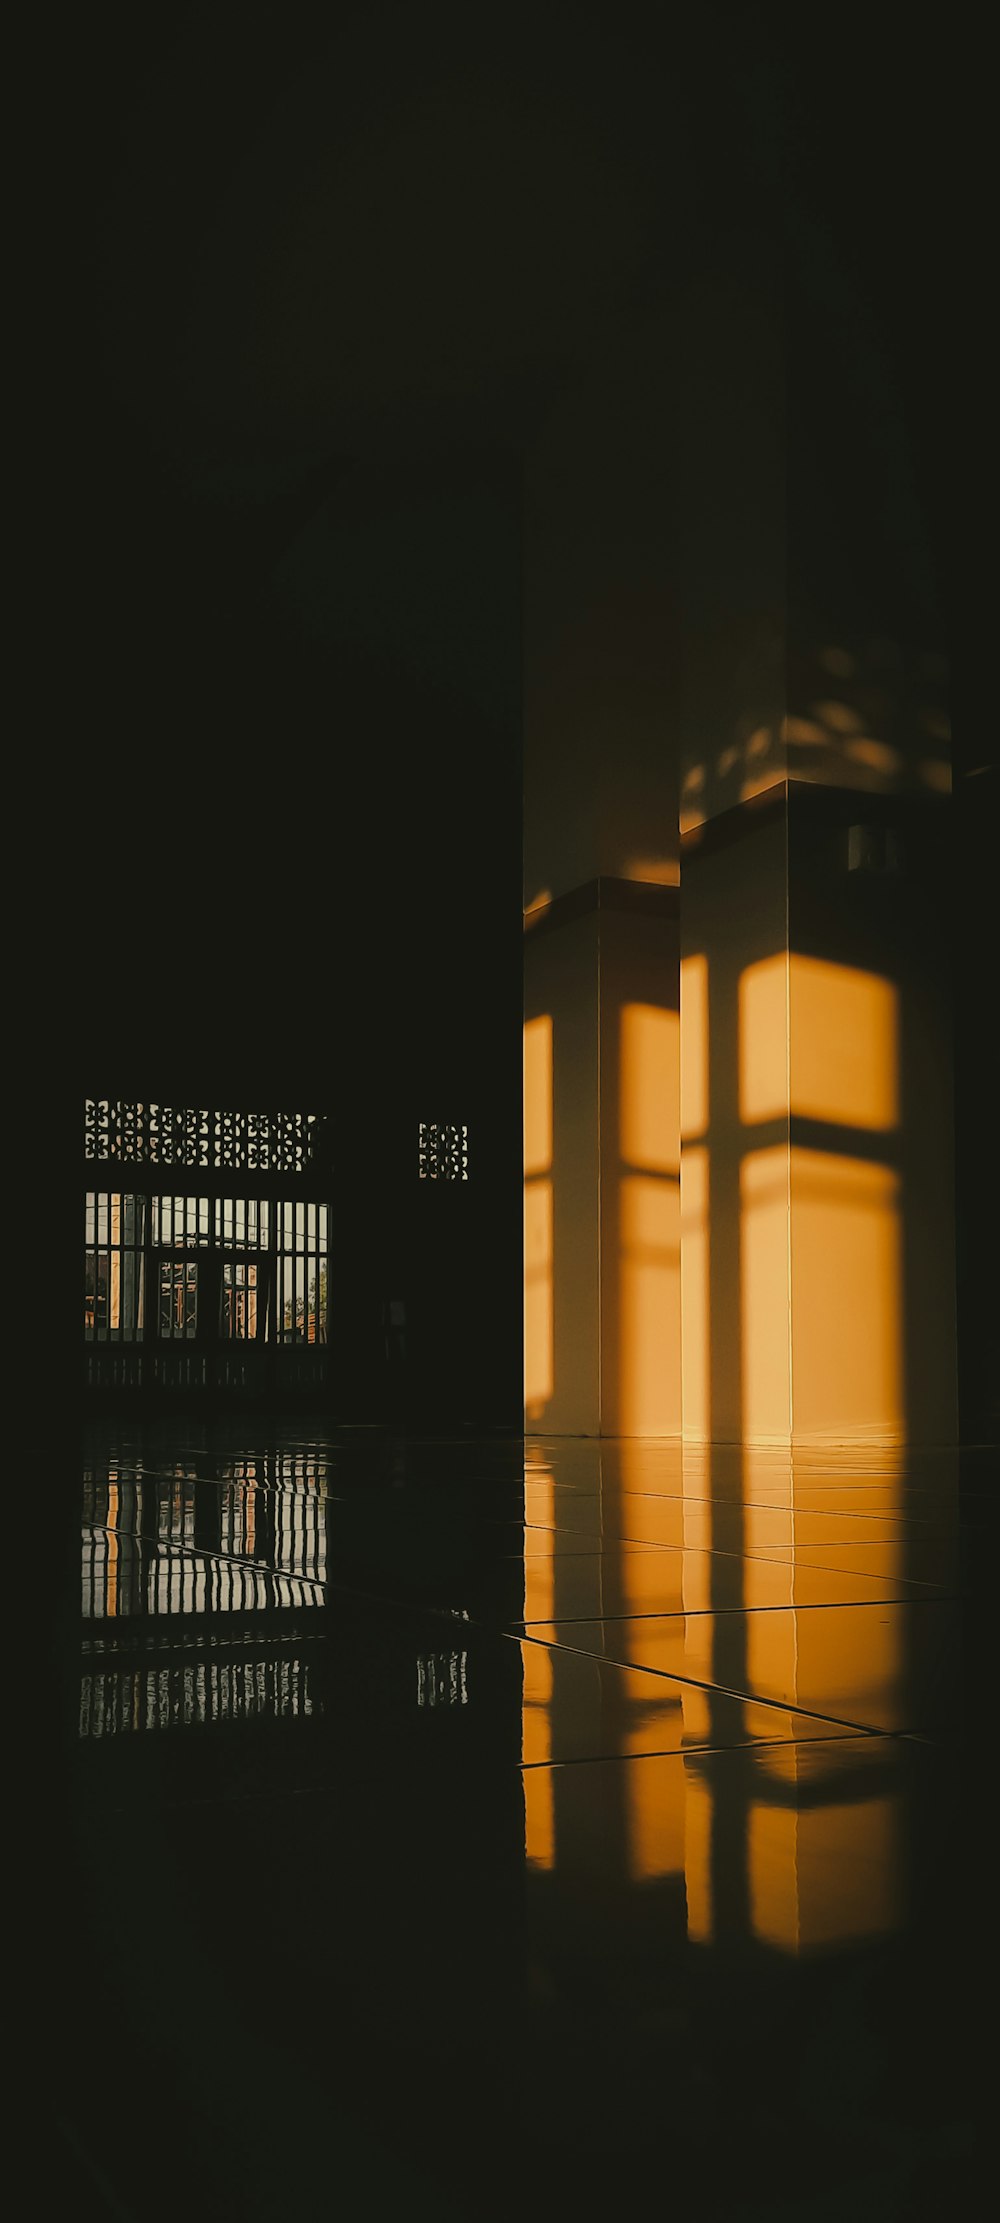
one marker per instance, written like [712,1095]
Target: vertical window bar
[310,1274]
[328,1261]
[290,1269]
[104,1221]
[103,1265]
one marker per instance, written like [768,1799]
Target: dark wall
[297,858]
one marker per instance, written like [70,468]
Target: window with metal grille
[270,1268]
[114,1268]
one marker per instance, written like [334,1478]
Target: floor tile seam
[340,1497]
[807,1566]
[900,1541]
[900,1590]
[181,1548]
[721,1690]
[902,1490]
[699,1613]
[696,1497]
[699,1751]
[325,1790]
[767,1556]
[900,1537]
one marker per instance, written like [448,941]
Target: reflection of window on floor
[442,1679]
[116,1701]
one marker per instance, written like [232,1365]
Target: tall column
[817,1157]
[601,1049]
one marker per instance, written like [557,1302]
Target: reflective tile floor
[484,1829]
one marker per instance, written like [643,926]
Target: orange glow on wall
[694,1045]
[843,1045]
[695,1325]
[538,1324]
[538,1213]
[649,1300]
[764,1039]
[821,1335]
[846,1298]
[649,1049]
[765,1348]
[643,1401]
[538,1095]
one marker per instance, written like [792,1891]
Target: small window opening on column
[443,1152]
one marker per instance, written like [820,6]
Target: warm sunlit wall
[791,1182]
[640,1176]
[562,1264]
[845,1237]
[820,1233]
[538,1374]
[694,1199]
[734,1139]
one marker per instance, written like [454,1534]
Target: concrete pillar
[601,1056]
[817,1167]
